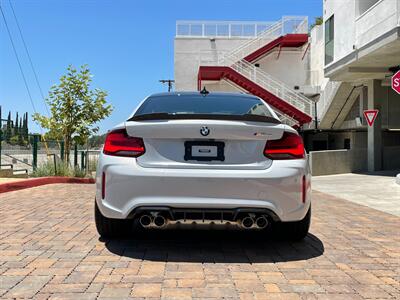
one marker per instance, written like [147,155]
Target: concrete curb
[25,184]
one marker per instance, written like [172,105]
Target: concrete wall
[220,86]
[350,161]
[189,52]
[288,66]
[316,57]
[338,161]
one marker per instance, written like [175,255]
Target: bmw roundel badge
[204,131]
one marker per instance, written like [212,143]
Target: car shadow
[214,246]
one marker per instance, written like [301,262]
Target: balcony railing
[237,29]
[220,28]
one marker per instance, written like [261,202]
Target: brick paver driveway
[49,249]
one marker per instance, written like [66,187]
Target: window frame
[329,38]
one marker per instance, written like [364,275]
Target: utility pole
[169,82]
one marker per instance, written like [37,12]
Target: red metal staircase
[288,40]
[216,73]
[237,67]
[242,73]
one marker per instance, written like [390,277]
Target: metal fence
[26,158]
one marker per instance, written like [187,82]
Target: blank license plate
[204,151]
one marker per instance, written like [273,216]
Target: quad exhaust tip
[159,221]
[247,222]
[262,222]
[145,220]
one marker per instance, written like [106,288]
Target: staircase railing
[269,83]
[285,119]
[288,24]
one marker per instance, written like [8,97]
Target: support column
[363,103]
[375,101]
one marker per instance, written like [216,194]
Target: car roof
[222,94]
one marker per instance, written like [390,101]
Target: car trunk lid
[204,143]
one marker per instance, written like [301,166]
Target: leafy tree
[317,21]
[75,109]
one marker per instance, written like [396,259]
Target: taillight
[119,143]
[290,146]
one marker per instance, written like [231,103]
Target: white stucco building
[319,80]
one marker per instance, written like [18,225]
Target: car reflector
[290,146]
[119,143]
[103,185]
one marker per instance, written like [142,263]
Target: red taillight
[119,143]
[290,146]
[103,185]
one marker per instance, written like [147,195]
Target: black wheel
[108,227]
[294,231]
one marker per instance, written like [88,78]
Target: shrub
[62,169]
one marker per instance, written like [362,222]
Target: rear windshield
[204,105]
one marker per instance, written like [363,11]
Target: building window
[329,33]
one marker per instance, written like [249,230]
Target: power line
[19,62]
[29,57]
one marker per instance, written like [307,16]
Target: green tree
[20,133]
[317,21]
[16,126]
[8,132]
[75,109]
[25,127]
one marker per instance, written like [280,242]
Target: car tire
[110,228]
[295,231]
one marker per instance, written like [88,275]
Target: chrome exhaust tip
[145,220]
[247,222]
[160,221]
[262,222]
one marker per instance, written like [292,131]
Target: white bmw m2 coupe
[200,157]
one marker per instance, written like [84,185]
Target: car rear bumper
[129,187]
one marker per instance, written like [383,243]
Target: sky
[128,45]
